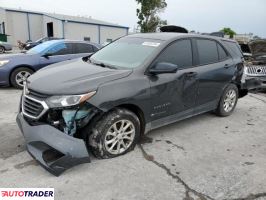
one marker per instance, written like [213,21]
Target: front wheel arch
[20,66]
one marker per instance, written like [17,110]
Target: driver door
[173,95]
[57,53]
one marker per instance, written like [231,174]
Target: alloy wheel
[229,100]
[21,77]
[119,137]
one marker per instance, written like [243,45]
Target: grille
[256,70]
[32,108]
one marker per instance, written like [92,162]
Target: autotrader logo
[27,193]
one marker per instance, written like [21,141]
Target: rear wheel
[2,49]
[115,134]
[19,75]
[228,101]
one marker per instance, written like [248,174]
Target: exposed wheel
[2,49]
[228,101]
[115,134]
[19,75]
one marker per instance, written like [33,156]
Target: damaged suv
[105,102]
[256,61]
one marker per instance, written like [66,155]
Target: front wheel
[115,134]
[2,50]
[228,101]
[20,75]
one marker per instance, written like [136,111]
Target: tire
[102,137]
[2,50]
[228,101]
[22,72]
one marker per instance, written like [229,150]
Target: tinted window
[179,53]
[221,51]
[83,48]
[233,48]
[61,49]
[207,50]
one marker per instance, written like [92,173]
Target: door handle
[191,74]
[226,66]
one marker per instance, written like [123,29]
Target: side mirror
[47,55]
[163,67]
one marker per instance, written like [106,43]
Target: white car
[4,46]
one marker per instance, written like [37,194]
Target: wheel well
[3,47]
[19,66]
[137,111]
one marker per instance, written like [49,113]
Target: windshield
[40,48]
[126,52]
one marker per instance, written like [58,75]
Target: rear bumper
[53,149]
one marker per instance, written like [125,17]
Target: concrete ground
[205,157]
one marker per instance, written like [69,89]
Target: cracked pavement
[202,158]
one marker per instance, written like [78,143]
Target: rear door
[215,69]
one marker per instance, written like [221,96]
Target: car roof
[71,41]
[165,36]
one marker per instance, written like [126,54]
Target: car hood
[257,47]
[72,77]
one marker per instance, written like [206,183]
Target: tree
[229,31]
[147,14]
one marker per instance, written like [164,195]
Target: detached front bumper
[53,149]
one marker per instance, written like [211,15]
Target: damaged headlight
[71,100]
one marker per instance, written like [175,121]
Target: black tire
[14,74]
[221,111]
[97,134]
[2,50]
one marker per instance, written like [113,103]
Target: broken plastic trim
[53,149]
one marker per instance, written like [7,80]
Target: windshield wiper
[101,64]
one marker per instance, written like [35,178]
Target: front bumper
[53,149]
[255,82]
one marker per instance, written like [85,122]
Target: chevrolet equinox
[103,103]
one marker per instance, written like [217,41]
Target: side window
[207,51]
[179,53]
[233,48]
[61,49]
[95,49]
[221,52]
[83,48]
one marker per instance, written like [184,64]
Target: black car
[30,44]
[138,83]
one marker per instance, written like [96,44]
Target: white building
[27,25]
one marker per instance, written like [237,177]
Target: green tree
[147,14]
[229,31]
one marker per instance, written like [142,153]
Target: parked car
[16,68]
[4,46]
[255,56]
[30,44]
[136,84]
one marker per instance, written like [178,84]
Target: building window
[109,40]
[88,39]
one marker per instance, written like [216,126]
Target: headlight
[3,62]
[65,101]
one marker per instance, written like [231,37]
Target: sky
[243,16]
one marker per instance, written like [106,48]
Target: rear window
[207,51]
[233,48]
